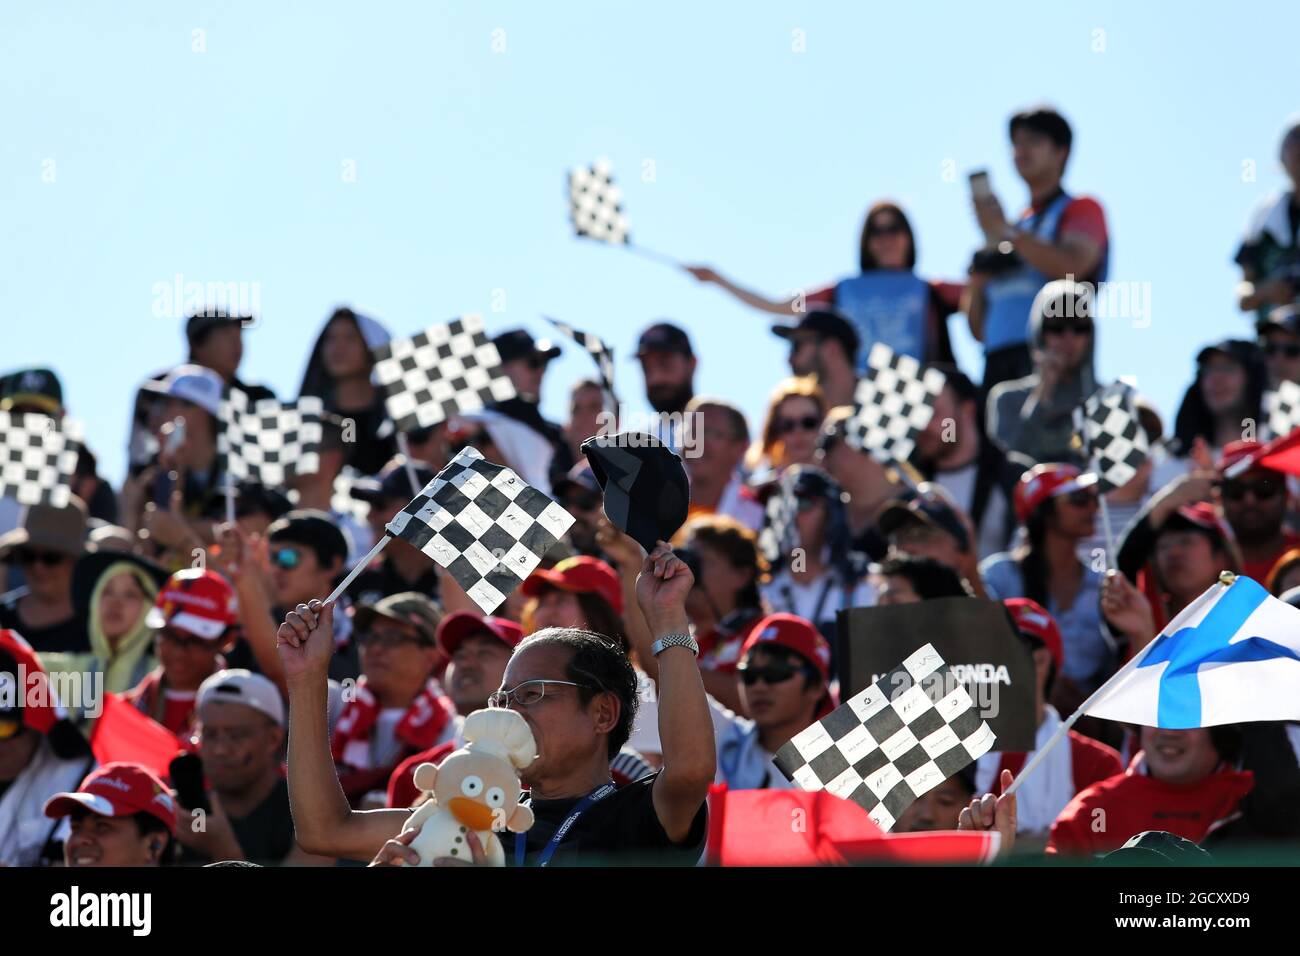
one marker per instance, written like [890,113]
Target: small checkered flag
[780,535]
[267,441]
[595,204]
[1111,435]
[483,524]
[904,735]
[601,353]
[38,455]
[1282,409]
[893,403]
[446,370]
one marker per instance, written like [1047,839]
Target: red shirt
[1083,215]
[401,785]
[1091,761]
[1106,815]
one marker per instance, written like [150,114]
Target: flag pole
[358,568]
[1110,535]
[652,255]
[405,449]
[1226,579]
[230,498]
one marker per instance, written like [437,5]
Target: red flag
[1282,454]
[801,828]
[123,733]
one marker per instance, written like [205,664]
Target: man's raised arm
[324,821]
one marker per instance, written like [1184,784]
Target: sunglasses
[771,674]
[1082,499]
[25,558]
[1289,350]
[1060,328]
[286,558]
[1263,490]
[887,229]
[807,423]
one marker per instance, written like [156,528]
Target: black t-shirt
[266,835]
[376,583]
[69,636]
[620,830]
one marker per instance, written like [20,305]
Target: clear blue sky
[228,166]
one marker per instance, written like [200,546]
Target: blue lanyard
[521,840]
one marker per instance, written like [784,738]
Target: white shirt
[817,600]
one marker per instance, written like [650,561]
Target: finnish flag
[1232,655]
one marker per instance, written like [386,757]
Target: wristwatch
[675,640]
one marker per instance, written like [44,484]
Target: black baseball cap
[825,324]
[201,323]
[517,344]
[664,337]
[314,530]
[31,388]
[391,482]
[646,492]
[926,509]
[1284,317]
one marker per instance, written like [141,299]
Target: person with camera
[1269,254]
[1057,236]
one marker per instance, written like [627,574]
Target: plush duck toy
[475,789]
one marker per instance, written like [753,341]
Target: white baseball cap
[192,383]
[240,686]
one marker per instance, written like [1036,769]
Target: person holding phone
[1056,236]
[885,300]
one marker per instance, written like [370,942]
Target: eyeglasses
[1289,350]
[527,694]
[807,423]
[287,558]
[1264,490]
[771,674]
[1060,328]
[1082,499]
[25,558]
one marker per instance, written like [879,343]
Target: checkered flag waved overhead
[893,403]
[1282,409]
[901,737]
[597,349]
[269,442]
[780,535]
[483,524]
[38,455]
[1111,435]
[594,204]
[447,369]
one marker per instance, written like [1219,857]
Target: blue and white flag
[1232,655]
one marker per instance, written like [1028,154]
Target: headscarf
[125,665]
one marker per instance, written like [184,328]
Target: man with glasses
[782,676]
[45,547]
[1254,504]
[1279,338]
[240,738]
[578,693]
[824,345]
[397,707]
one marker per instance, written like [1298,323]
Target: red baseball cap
[196,601]
[795,634]
[1033,620]
[455,628]
[26,696]
[1199,515]
[1244,455]
[580,575]
[118,790]
[1047,481]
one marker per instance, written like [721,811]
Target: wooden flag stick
[653,255]
[358,568]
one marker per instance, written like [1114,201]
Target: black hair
[929,578]
[866,261]
[597,665]
[1194,417]
[962,386]
[1033,561]
[314,530]
[145,823]
[1045,120]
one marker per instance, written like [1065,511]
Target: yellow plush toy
[475,789]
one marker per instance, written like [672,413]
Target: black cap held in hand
[645,487]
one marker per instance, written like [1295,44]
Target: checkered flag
[597,349]
[483,524]
[1111,435]
[901,737]
[594,204]
[267,441]
[780,535]
[1282,409]
[893,403]
[38,455]
[447,369]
